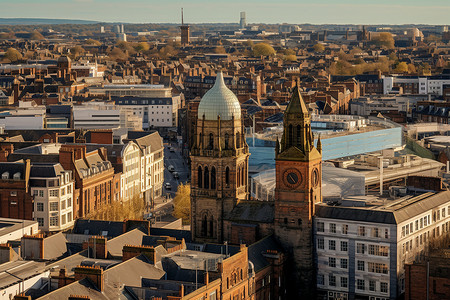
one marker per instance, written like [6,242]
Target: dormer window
[5,175]
[16,176]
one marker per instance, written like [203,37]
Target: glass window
[333,228]
[345,229]
[320,227]
[40,206]
[320,243]
[54,221]
[361,265]
[53,206]
[332,262]
[331,280]
[344,246]
[360,284]
[360,248]
[332,245]
[344,282]
[384,287]
[40,221]
[344,263]
[69,217]
[372,285]
[361,231]
[63,219]
[54,193]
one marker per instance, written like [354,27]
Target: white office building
[52,188]
[363,244]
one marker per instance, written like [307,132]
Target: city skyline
[432,12]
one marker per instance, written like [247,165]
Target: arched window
[242,176]
[291,135]
[227,176]
[204,225]
[298,136]
[200,177]
[206,176]
[227,141]
[238,181]
[299,222]
[211,141]
[238,140]
[200,141]
[213,178]
[211,226]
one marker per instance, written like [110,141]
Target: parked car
[168,186]
[175,175]
[171,168]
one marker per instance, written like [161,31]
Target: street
[174,159]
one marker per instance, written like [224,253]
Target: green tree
[182,203]
[142,47]
[13,55]
[263,49]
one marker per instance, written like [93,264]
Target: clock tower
[298,189]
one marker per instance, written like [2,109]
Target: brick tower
[298,189]
[184,31]
[219,162]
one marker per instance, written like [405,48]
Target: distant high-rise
[102,29]
[121,29]
[184,31]
[243,22]
[117,29]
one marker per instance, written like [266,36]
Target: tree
[118,54]
[319,47]
[263,49]
[290,57]
[142,47]
[402,67]
[77,50]
[248,43]
[13,55]
[219,50]
[384,40]
[93,42]
[182,203]
[36,35]
[412,68]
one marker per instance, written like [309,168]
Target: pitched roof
[256,252]
[252,211]
[297,105]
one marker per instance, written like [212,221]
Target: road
[174,159]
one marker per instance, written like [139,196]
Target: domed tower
[219,162]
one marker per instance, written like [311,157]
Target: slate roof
[84,287]
[256,251]
[394,212]
[115,245]
[109,229]
[46,170]
[176,233]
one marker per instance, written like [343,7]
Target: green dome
[219,101]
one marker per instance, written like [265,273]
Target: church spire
[297,105]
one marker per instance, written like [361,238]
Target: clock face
[292,178]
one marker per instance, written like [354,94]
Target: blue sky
[227,11]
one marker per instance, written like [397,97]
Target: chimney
[95,274]
[16,86]
[33,246]
[69,153]
[181,290]
[130,251]
[6,253]
[98,246]
[5,151]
